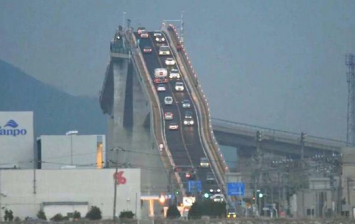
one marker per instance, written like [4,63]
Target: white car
[170,61]
[159,37]
[179,86]
[168,100]
[189,122]
[173,126]
[186,104]
[204,162]
[174,74]
[168,116]
[160,73]
[161,88]
[144,34]
[164,50]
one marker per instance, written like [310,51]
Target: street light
[117,149]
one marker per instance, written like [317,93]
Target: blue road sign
[236,189]
[194,186]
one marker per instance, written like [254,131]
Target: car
[179,86]
[186,104]
[204,162]
[160,80]
[231,215]
[161,88]
[140,29]
[160,73]
[178,46]
[159,37]
[188,114]
[147,49]
[217,198]
[173,126]
[210,178]
[168,115]
[144,34]
[174,74]
[189,122]
[168,100]
[164,50]
[170,61]
[157,34]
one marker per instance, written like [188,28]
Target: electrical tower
[350,76]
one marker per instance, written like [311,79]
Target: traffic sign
[194,186]
[236,189]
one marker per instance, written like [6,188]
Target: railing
[211,146]
[157,128]
[276,134]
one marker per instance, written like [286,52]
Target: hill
[55,112]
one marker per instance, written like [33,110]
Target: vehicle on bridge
[188,122]
[174,74]
[161,88]
[188,114]
[161,80]
[170,61]
[210,178]
[159,38]
[168,100]
[164,50]
[160,73]
[173,126]
[168,115]
[204,162]
[186,103]
[147,49]
[144,34]
[140,29]
[179,86]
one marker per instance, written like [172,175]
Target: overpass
[139,133]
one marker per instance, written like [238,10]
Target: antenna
[350,78]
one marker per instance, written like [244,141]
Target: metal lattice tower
[350,75]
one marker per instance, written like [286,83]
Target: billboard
[16,139]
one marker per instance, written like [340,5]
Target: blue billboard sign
[236,189]
[194,186]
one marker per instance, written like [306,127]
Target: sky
[277,63]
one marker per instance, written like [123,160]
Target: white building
[71,150]
[25,192]
[16,139]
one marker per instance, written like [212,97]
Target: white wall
[62,150]
[16,143]
[94,186]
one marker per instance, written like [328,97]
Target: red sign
[120,179]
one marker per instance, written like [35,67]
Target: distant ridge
[55,112]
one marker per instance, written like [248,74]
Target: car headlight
[192,122]
[185,122]
[228,215]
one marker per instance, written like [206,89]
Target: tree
[126,215]
[11,216]
[94,213]
[76,215]
[57,218]
[173,212]
[41,215]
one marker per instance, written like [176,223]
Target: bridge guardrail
[158,132]
[206,127]
[286,136]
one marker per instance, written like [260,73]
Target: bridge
[168,149]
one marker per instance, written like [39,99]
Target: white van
[160,73]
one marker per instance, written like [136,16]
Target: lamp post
[117,149]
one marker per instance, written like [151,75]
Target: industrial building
[16,139]
[70,151]
[25,192]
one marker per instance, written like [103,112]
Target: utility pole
[350,76]
[117,149]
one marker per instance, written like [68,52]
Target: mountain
[55,112]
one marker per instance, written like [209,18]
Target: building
[71,150]
[16,139]
[25,192]
[348,182]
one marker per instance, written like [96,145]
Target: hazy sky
[276,63]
